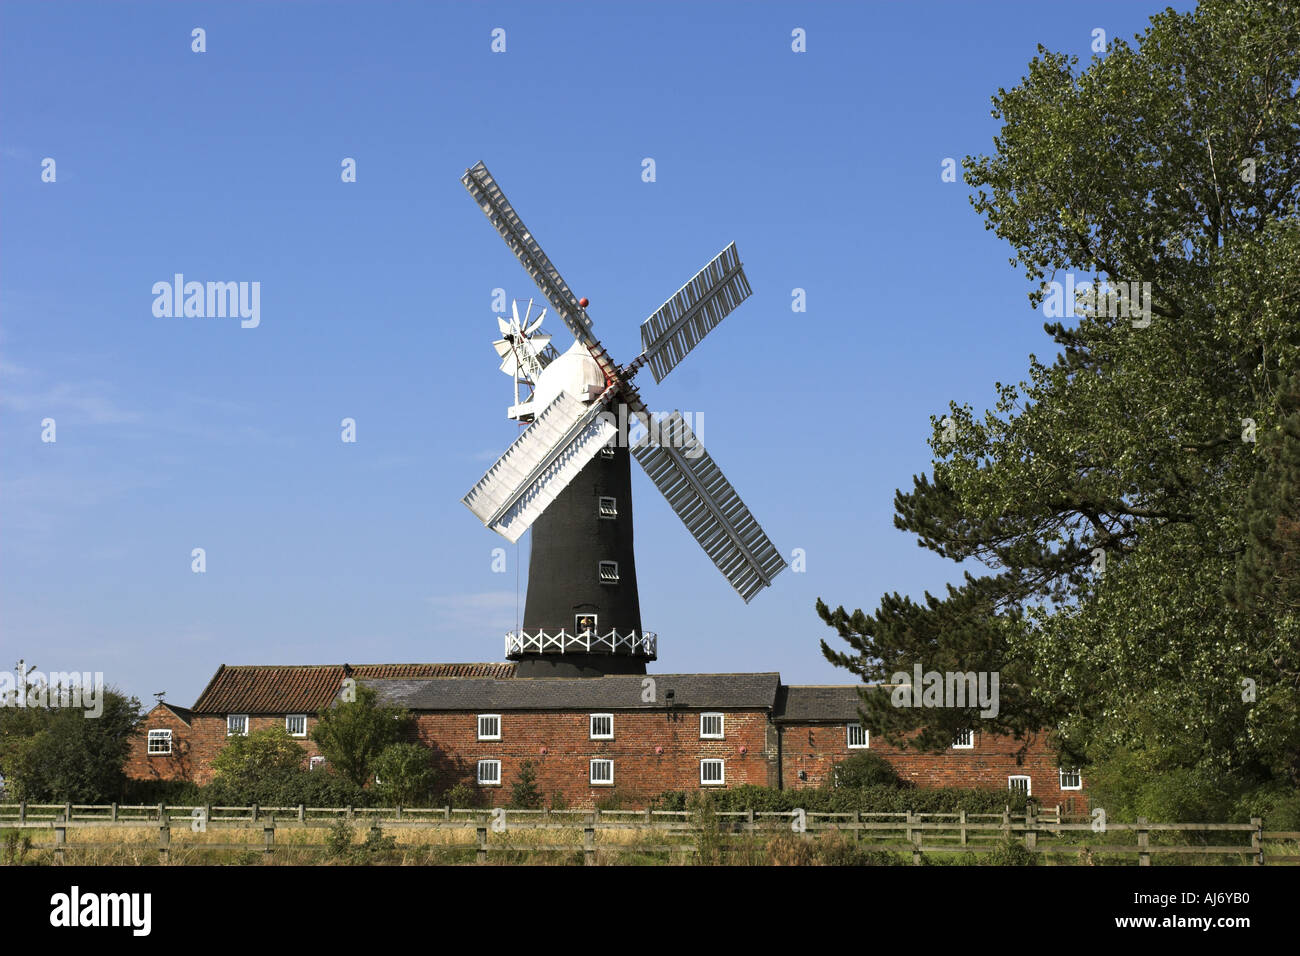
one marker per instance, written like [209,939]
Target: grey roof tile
[618,692]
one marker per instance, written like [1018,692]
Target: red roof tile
[416,671]
[309,689]
[270,690]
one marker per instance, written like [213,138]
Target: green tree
[352,734]
[405,774]
[249,762]
[64,753]
[525,795]
[1113,494]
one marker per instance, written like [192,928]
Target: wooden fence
[659,831]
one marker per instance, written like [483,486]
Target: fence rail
[904,832]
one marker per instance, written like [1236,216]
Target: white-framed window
[315,762]
[602,726]
[489,726]
[236,725]
[602,773]
[160,741]
[296,725]
[711,727]
[965,740]
[489,773]
[713,772]
[608,508]
[859,737]
[1071,780]
[609,572]
[1020,785]
[607,451]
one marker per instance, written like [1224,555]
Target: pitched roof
[397,671]
[261,689]
[310,688]
[614,692]
[182,712]
[818,702]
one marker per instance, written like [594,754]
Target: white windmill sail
[539,464]
[485,191]
[693,312]
[699,492]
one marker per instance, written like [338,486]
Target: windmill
[568,475]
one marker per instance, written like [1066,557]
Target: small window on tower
[607,451]
[585,623]
[609,572]
[609,507]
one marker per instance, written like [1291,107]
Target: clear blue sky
[177,433]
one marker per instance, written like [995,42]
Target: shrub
[866,769]
[405,774]
[1011,852]
[524,795]
[461,796]
[247,761]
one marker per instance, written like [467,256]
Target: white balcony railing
[638,643]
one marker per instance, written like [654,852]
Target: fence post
[349,813]
[67,811]
[114,816]
[962,822]
[255,813]
[399,811]
[1031,827]
[164,840]
[749,820]
[1257,840]
[1144,842]
[447,811]
[161,809]
[1006,822]
[481,855]
[268,835]
[648,817]
[22,812]
[207,813]
[60,838]
[914,837]
[857,826]
[588,846]
[302,813]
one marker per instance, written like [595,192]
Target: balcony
[632,643]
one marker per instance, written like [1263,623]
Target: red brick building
[586,736]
